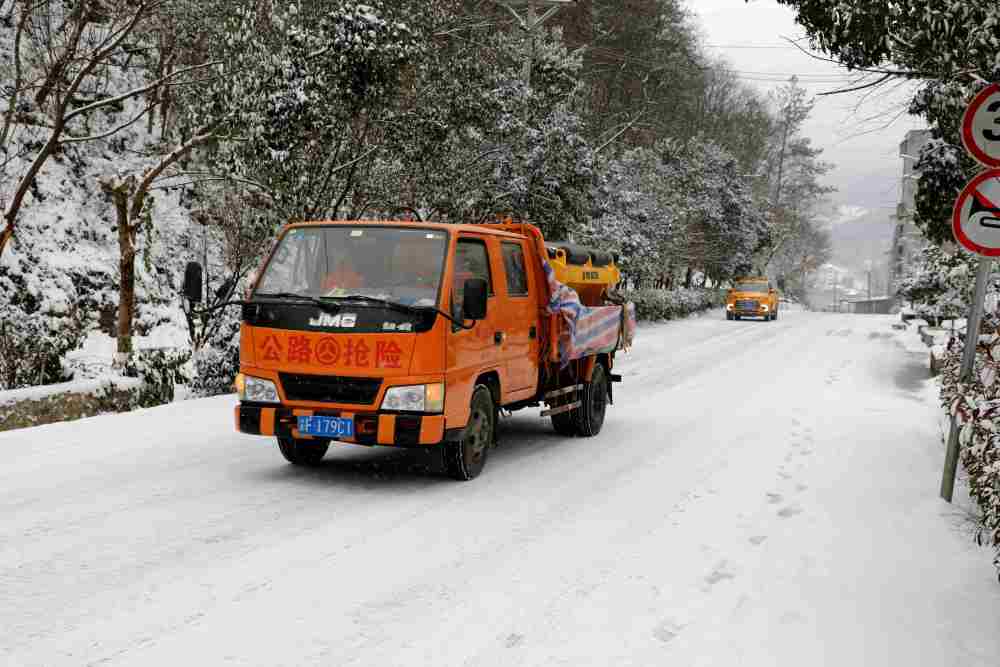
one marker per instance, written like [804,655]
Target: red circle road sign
[981,126]
[976,220]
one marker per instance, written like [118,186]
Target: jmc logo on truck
[416,335]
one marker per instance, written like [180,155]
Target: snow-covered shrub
[217,363]
[654,304]
[939,284]
[159,371]
[40,320]
[977,406]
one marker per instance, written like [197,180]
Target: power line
[768,77]
[749,46]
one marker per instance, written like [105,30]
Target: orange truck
[752,297]
[418,335]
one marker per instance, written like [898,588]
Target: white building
[906,239]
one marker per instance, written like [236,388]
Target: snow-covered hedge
[654,304]
[977,405]
[47,404]
[149,379]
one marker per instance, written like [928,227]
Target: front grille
[747,304]
[330,388]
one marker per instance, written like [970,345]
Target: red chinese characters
[357,354]
[271,349]
[299,350]
[333,351]
[387,355]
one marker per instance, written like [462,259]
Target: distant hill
[866,237]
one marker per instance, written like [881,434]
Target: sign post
[976,226]
[968,365]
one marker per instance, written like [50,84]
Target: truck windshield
[759,288]
[402,265]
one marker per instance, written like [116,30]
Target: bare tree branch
[172,157]
[618,134]
[135,91]
[874,84]
[104,135]
[9,114]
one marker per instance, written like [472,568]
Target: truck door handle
[498,338]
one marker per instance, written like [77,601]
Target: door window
[471,261]
[513,264]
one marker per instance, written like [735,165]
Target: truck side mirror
[474,300]
[192,282]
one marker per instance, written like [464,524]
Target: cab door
[473,351]
[519,328]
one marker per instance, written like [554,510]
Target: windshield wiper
[325,305]
[402,307]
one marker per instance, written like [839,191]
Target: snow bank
[68,401]
[93,387]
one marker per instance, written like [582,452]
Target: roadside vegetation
[138,136]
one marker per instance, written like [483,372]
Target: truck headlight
[729,306]
[764,308]
[415,398]
[256,390]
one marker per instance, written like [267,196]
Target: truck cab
[752,297]
[409,335]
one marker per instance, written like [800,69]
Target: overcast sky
[750,36]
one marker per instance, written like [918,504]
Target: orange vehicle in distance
[417,335]
[752,297]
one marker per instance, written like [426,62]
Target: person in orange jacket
[344,277]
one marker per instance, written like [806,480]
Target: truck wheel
[775,315]
[564,423]
[590,415]
[302,452]
[729,316]
[464,460]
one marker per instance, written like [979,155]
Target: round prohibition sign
[976,218]
[981,126]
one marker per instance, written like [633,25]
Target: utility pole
[530,24]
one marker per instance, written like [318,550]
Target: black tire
[564,423]
[736,317]
[465,459]
[775,315]
[729,316]
[302,452]
[590,415]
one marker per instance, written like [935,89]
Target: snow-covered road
[762,494]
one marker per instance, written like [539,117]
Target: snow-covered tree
[795,189]
[939,284]
[952,48]
[308,88]
[681,206]
[64,63]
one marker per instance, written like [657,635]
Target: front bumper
[370,428]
